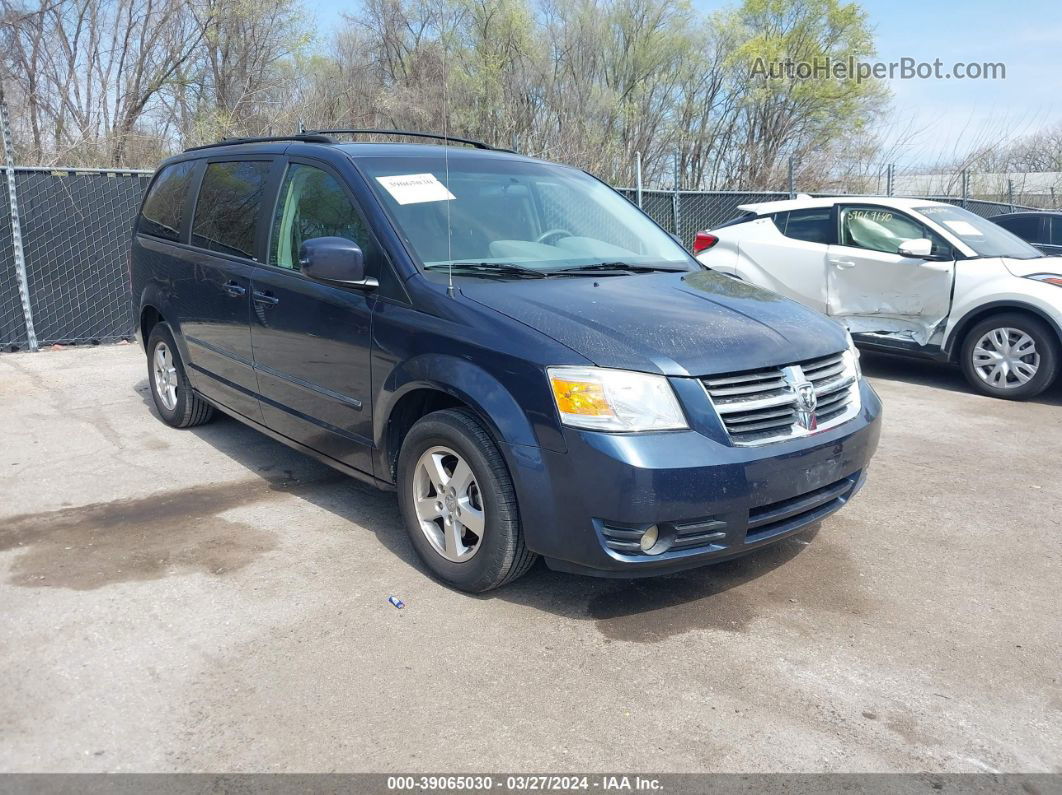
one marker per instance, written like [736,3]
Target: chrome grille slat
[752,405]
[761,406]
[765,386]
[833,386]
[824,373]
[762,415]
[763,426]
[714,382]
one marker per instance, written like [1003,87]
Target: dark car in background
[1041,228]
[532,363]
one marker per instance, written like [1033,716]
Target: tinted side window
[226,214]
[164,206]
[1055,238]
[813,225]
[313,204]
[1028,227]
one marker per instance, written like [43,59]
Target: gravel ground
[209,600]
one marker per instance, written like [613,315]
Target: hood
[1027,267]
[699,323]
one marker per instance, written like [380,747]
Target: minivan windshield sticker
[415,188]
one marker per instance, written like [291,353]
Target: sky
[940,119]
[951,114]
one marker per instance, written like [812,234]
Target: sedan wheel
[1010,355]
[1006,358]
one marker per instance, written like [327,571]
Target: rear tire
[1011,355]
[175,401]
[458,503]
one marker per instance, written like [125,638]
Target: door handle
[234,289]
[842,264]
[265,298]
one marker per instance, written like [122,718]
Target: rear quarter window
[740,219]
[163,211]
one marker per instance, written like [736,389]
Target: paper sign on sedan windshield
[415,188]
[963,228]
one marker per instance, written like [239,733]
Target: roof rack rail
[410,133]
[310,138]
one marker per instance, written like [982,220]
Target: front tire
[1010,355]
[176,402]
[458,503]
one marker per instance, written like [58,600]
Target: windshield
[984,237]
[500,217]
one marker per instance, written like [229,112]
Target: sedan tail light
[703,241]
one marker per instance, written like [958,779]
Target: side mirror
[921,248]
[335,260]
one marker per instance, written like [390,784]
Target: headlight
[1050,278]
[614,400]
[851,356]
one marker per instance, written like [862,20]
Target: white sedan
[907,276]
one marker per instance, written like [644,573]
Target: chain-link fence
[684,213]
[12,319]
[75,236]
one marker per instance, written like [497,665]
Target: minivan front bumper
[585,508]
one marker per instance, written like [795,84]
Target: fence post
[638,177]
[16,226]
[1053,204]
[676,198]
[792,179]
[890,176]
[1010,193]
[965,188]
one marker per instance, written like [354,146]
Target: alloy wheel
[449,504]
[165,370]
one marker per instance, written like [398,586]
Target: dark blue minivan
[532,363]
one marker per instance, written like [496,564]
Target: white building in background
[992,185]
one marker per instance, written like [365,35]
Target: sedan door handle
[842,264]
[234,289]
[265,298]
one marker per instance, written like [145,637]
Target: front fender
[965,316]
[511,423]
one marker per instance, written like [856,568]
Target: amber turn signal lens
[581,397]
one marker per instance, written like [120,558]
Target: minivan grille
[777,403]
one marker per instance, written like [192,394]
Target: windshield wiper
[507,268]
[625,267]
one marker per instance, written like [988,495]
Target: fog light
[649,538]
